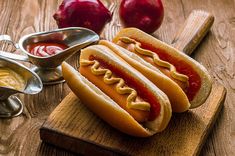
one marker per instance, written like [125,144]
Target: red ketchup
[45,49]
[182,67]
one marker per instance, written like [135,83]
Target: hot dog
[185,81]
[118,93]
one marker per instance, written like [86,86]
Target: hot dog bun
[205,80]
[169,87]
[105,107]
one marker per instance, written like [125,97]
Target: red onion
[90,14]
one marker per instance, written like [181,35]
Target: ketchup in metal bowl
[45,49]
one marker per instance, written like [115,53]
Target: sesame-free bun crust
[105,107]
[206,83]
[169,87]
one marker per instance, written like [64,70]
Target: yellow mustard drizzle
[120,87]
[156,59]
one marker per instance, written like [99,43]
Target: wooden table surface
[20,135]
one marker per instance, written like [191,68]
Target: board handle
[193,31]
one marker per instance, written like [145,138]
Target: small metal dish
[48,68]
[10,105]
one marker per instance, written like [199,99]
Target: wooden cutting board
[73,127]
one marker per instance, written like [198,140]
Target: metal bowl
[10,105]
[48,68]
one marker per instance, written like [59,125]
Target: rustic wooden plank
[216,53]
[173,19]
[72,126]
[20,135]
[193,31]
[8,127]
[6,12]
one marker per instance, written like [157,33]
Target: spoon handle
[14,56]
[8,39]
[9,55]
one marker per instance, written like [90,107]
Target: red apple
[146,15]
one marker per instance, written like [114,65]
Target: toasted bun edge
[101,104]
[206,82]
[178,98]
[107,54]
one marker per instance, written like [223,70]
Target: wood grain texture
[72,126]
[20,136]
[193,31]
